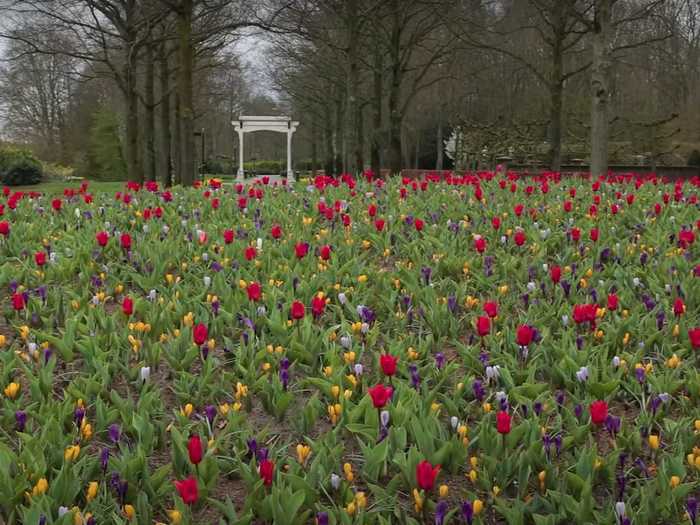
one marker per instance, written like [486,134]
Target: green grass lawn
[57,187]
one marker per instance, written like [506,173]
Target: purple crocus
[441,512]
[415,376]
[210,413]
[21,420]
[439,360]
[322,518]
[478,389]
[613,424]
[114,432]
[691,506]
[252,447]
[426,273]
[104,459]
[468,512]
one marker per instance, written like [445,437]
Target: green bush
[104,159]
[694,158]
[19,167]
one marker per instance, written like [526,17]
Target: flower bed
[477,349]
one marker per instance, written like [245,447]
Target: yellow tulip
[478,507]
[674,481]
[335,391]
[187,410]
[175,517]
[444,491]
[347,469]
[93,486]
[360,500]
[473,475]
[653,442]
[129,512]
[12,390]
[71,453]
[303,453]
[350,509]
[417,500]
[3,340]
[474,461]
[41,487]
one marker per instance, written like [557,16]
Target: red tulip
[599,412]
[298,310]
[102,238]
[612,302]
[575,234]
[379,224]
[524,335]
[4,228]
[503,422]
[686,238]
[496,223]
[694,336]
[585,313]
[56,204]
[229,235]
[388,364]
[18,301]
[276,231]
[254,291]
[372,210]
[426,474]
[267,471]
[188,490]
[519,237]
[480,244]
[678,307]
[491,309]
[594,234]
[128,306]
[194,449]
[40,258]
[483,326]
[318,305]
[380,394]
[568,206]
[301,249]
[518,209]
[200,334]
[418,223]
[125,241]
[555,274]
[325,252]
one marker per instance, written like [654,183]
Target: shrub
[104,159]
[694,158]
[19,167]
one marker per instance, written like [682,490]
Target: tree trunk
[177,142]
[185,90]
[328,135]
[377,106]
[360,139]
[600,89]
[339,137]
[556,85]
[353,105]
[314,145]
[395,116]
[150,124]
[133,170]
[556,92]
[165,163]
[440,147]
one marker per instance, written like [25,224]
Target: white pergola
[249,124]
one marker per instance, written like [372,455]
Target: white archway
[248,124]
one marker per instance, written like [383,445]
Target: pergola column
[241,171]
[290,169]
